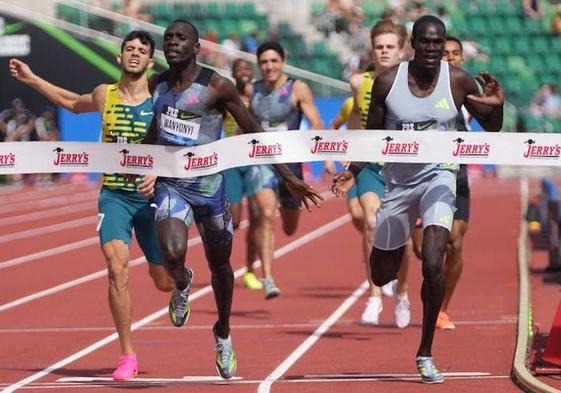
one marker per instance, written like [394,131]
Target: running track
[56,330]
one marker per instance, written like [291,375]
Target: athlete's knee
[118,273]
[173,250]
[384,265]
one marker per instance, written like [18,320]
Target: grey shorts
[432,200]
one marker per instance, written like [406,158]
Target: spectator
[556,22]
[332,19]
[46,127]
[473,51]
[545,102]
[134,9]
[532,9]
[359,34]
[250,43]
[47,131]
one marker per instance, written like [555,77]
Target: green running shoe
[428,371]
[226,362]
[179,303]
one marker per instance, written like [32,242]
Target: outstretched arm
[74,102]
[487,108]
[230,98]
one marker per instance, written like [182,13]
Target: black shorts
[462,199]
[287,201]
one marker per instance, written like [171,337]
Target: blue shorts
[119,212]
[248,180]
[368,180]
[202,199]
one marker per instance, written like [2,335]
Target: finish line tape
[285,147]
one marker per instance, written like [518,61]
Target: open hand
[299,189]
[493,93]
[342,183]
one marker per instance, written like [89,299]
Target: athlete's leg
[115,229]
[436,210]
[215,226]
[265,202]
[435,238]
[116,254]
[290,207]
[251,252]
[369,203]
[145,231]
[290,219]
[417,239]
[234,190]
[174,216]
[454,260]
[357,215]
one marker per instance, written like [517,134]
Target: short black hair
[237,63]
[143,36]
[193,28]
[426,19]
[270,45]
[457,40]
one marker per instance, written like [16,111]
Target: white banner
[287,146]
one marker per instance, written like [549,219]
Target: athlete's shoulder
[385,79]
[460,77]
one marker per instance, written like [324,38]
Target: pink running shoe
[127,369]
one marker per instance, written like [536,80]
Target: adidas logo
[442,104]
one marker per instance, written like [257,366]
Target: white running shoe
[389,289]
[401,314]
[372,312]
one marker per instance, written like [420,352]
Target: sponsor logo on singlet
[329,147]
[541,152]
[417,125]
[70,159]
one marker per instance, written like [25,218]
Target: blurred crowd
[17,123]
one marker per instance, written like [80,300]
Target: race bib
[180,123]
[427,125]
[274,125]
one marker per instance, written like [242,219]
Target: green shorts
[119,212]
[248,180]
[368,180]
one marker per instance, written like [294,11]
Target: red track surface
[316,277]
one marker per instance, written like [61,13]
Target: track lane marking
[326,228]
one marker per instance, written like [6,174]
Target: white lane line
[330,226]
[48,213]
[257,326]
[21,193]
[49,229]
[43,203]
[74,383]
[76,282]
[265,386]
[47,253]
[191,378]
